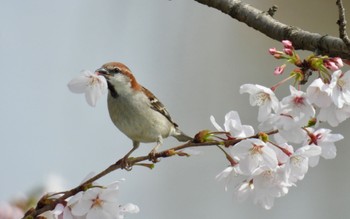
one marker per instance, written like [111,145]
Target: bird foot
[125,163]
[152,156]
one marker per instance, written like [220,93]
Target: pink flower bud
[288,51]
[275,53]
[330,65]
[287,44]
[279,70]
[333,63]
[272,51]
[338,61]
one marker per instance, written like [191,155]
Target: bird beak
[103,72]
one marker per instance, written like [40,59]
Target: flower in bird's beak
[91,84]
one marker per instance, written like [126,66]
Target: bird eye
[115,70]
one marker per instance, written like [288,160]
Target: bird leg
[124,163]
[152,154]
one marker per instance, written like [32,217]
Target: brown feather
[157,105]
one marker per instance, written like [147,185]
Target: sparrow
[135,111]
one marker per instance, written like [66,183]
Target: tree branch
[263,22]
[342,24]
[47,203]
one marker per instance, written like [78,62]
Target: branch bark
[264,23]
[342,24]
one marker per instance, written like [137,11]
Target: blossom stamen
[97,202]
[299,100]
[256,149]
[261,98]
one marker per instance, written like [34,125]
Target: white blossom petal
[79,84]
[261,96]
[319,93]
[93,85]
[129,208]
[215,124]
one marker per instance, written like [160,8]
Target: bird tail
[180,136]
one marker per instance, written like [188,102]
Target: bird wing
[157,105]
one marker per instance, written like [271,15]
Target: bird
[136,111]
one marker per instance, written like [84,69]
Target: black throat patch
[112,90]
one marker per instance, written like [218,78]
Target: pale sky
[192,57]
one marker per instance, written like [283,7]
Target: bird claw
[152,156]
[125,164]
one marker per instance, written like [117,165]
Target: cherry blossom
[233,125]
[65,211]
[92,85]
[298,106]
[229,173]
[268,185]
[97,203]
[94,203]
[283,151]
[264,170]
[319,93]
[232,176]
[340,85]
[296,135]
[298,163]
[254,154]
[262,188]
[261,96]
[294,112]
[325,140]
[334,115]
[244,190]
[287,125]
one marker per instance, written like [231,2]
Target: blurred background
[194,58]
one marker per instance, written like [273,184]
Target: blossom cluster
[265,169]
[261,168]
[95,203]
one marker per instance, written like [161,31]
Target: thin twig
[272,10]
[342,23]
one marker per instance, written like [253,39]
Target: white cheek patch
[121,84]
[120,78]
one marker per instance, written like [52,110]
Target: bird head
[119,77]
